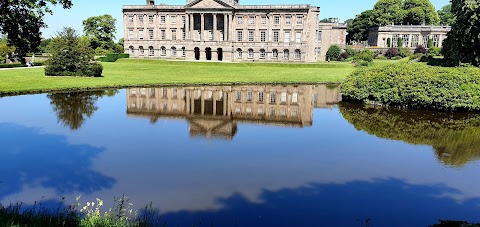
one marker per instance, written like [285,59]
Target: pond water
[268,155]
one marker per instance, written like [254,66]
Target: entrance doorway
[208,53]
[220,54]
[197,53]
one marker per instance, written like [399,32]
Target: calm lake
[267,155]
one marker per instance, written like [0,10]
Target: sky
[82,9]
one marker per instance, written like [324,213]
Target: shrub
[416,86]
[429,43]
[113,57]
[404,52]
[399,43]
[365,55]
[14,65]
[101,52]
[434,51]
[391,52]
[351,52]
[420,50]
[415,56]
[333,52]
[344,55]
[436,61]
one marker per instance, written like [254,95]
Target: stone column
[224,98]
[188,101]
[231,27]
[192,101]
[214,103]
[214,29]
[202,98]
[202,26]
[191,24]
[186,26]
[225,27]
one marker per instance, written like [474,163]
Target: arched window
[275,54]
[286,54]
[132,51]
[151,51]
[262,53]
[141,50]
[298,54]
[183,52]
[174,51]
[163,51]
[239,53]
[250,53]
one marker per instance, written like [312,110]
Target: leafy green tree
[462,44]
[446,15]
[360,26]
[333,52]
[420,12]
[5,51]
[101,30]
[386,12]
[71,55]
[21,21]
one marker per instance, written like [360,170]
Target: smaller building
[328,34]
[412,36]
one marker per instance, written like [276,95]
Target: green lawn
[132,72]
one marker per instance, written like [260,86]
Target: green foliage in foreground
[135,72]
[455,138]
[416,86]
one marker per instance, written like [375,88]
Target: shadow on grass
[31,159]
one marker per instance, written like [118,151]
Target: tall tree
[446,15]
[388,12]
[21,20]
[463,41]
[420,12]
[101,30]
[358,29]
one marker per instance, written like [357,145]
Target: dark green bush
[113,57]
[404,52]
[416,86]
[351,52]
[434,51]
[333,53]
[435,61]
[365,55]
[14,65]
[391,52]
[420,50]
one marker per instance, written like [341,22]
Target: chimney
[150,2]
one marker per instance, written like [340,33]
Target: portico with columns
[221,30]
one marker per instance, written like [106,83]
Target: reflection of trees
[73,107]
[454,137]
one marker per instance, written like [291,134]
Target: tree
[71,55]
[419,12]
[333,52]
[5,51]
[462,44]
[21,21]
[360,26]
[388,12]
[446,15]
[101,30]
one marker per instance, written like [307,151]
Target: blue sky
[82,9]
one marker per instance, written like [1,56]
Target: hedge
[417,86]
[113,57]
[89,70]
[13,65]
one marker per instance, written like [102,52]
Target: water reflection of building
[213,111]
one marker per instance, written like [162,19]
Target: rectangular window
[425,41]
[251,20]
[263,20]
[163,19]
[210,35]
[141,50]
[275,36]
[150,19]
[260,96]
[395,40]
[130,19]
[286,36]
[288,20]
[251,35]
[239,36]
[140,19]
[249,96]
[164,92]
[415,39]
[174,93]
[273,97]
[260,111]
[436,40]
[262,54]
[276,20]
[184,35]
[184,19]
[174,34]
[405,40]
[299,20]
[173,19]
[240,20]
[150,33]
[163,34]
[140,34]
[263,36]
[294,98]
[319,36]
[151,51]
[283,98]
[250,53]
[238,96]
[131,34]
[298,37]
[183,52]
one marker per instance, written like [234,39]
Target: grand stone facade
[214,111]
[411,35]
[224,30]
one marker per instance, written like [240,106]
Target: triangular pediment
[208,4]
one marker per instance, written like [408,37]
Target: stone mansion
[224,30]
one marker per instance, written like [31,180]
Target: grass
[140,72]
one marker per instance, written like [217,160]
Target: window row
[274,54]
[163,51]
[261,95]
[262,37]
[151,92]
[415,40]
[172,34]
[287,20]
[260,111]
[151,19]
